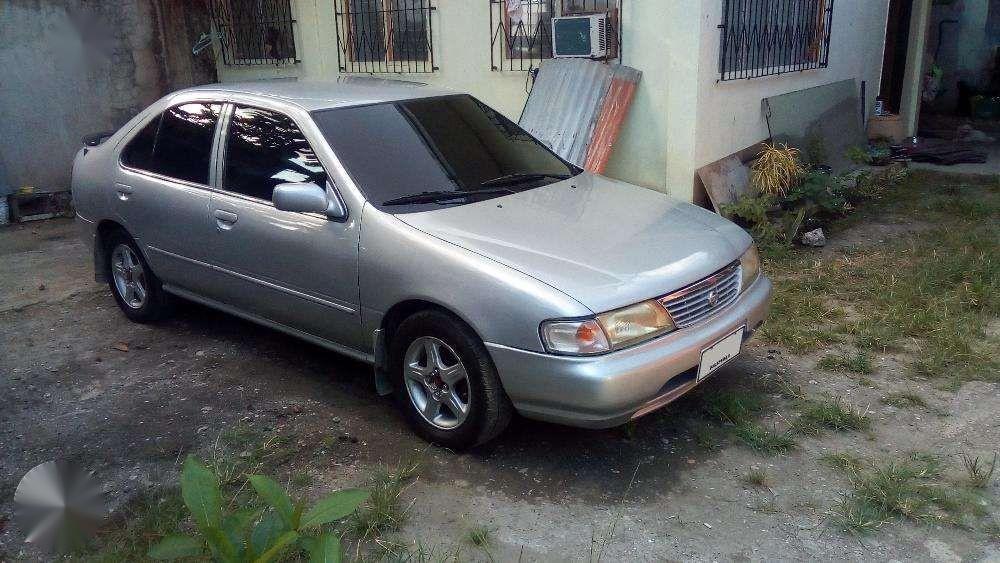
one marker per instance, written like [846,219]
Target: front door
[299,270]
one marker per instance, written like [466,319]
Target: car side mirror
[306,197]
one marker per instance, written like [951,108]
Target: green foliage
[938,285]
[254,535]
[910,488]
[904,400]
[979,475]
[859,362]
[762,440]
[817,415]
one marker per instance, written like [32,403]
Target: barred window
[377,36]
[768,37]
[521,30]
[255,32]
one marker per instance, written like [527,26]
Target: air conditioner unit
[587,36]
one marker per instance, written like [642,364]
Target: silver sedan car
[421,231]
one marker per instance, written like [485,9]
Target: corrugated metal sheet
[564,104]
[624,81]
[575,101]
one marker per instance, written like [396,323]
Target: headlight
[636,322]
[609,331]
[750,266]
[580,338]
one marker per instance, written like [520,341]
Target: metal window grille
[520,42]
[769,37]
[380,36]
[255,32]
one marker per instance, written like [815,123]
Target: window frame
[220,152]
[817,51]
[346,52]
[229,54]
[157,114]
[503,58]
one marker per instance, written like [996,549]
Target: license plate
[716,355]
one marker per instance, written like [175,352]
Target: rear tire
[446,383]
[136,288]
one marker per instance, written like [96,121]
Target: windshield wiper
[521,178]
[441,196]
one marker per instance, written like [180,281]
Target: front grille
[704,298]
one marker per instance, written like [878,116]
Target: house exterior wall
[681,118]
[461,43]
[730,115]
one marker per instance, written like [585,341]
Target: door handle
[225,220]
[124,191]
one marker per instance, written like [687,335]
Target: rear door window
[177,144]
[265,148]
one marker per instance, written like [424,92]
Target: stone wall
[73,67]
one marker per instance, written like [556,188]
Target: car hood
[603,242]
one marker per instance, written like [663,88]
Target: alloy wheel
[129,276]
[436,382]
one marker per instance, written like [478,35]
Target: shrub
[776,169]
[255,535]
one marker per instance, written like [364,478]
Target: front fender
[401,263]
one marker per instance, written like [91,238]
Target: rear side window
[177,144]
[265,148]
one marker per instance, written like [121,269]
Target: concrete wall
[730,115]
[73,67]
[462,53]
[681,117]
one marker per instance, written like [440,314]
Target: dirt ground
[67,391]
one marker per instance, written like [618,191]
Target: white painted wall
[730,115]
[462,52]
[680,119]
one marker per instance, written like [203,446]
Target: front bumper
[609,390]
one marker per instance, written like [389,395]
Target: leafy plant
[255,535]
[776,169]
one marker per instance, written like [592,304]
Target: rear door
[296,269]
[162,195]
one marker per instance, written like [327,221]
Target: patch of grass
[979,476]
[817,415]
[764,503]
[904,400]
[764,441]
[938,285]
[909,488]
[481,537]
[843,462]
[859,362]
[301,479]
[709,436]
[383,512]
[733,406]
[757,479]
[142,522]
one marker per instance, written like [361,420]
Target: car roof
[345,91]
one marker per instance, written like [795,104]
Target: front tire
[136,288]
[446,383]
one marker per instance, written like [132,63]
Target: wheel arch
[388,327]
[105,229]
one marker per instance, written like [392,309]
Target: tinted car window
[449,143]
[139,151]
[177,144]
[265,148]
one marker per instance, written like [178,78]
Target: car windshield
[415,155]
